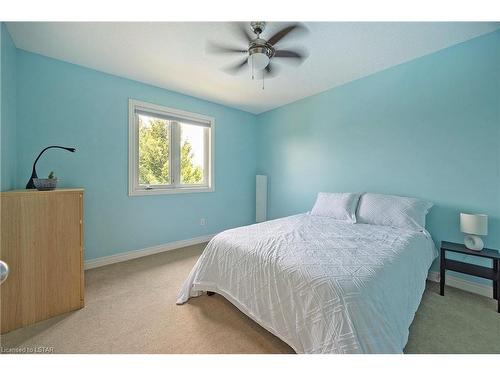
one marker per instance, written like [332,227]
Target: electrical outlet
[203,221]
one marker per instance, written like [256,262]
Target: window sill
[182,190]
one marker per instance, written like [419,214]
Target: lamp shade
[474,224]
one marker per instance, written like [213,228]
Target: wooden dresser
[42,242]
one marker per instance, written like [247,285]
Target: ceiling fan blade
[287,53]
[242,29]
[292,56]
[284,32]
[270,70]
[234,69]
[218,48]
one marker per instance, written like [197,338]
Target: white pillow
[340,206]
[393,211]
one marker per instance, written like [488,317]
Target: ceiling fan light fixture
[258,60]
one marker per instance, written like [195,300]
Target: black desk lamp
[30,184]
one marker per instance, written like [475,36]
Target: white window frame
[134,188]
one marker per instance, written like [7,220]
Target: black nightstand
[470,269]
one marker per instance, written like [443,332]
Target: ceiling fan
[260,52]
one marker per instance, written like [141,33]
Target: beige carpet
[130,308]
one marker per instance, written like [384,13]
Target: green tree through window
[154,154]
[190,173]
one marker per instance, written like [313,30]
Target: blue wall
[428,128]
[61,103]
[8,154]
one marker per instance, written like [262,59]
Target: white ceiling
[173,55]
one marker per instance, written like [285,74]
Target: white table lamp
[474,226]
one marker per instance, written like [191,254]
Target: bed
[320,285]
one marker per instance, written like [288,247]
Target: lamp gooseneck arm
[38,157]
[30,184]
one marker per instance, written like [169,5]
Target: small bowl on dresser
[44,184]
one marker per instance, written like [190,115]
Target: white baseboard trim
[121,257]
[468,286]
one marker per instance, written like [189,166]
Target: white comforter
[320,285]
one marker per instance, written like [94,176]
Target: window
[170,151]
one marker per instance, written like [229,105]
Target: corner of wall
[8,104]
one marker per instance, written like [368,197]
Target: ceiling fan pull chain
[252,66]
[263,80]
